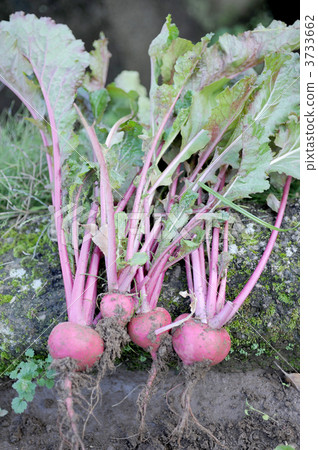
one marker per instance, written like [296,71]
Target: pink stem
[55,176]
[200,311]
[129,272]
[172,190]
[175,162]
[135,212]
[231,308]
[213,280]
[221,295]
[202,266]
[142,291]
[128,194]
[147,203]
[64,259]
[97,318]
[152,282]
[107,205]
[90,291]
[75,225]
[76,308]
[189,273]
[157,290]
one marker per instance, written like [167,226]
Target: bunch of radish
[133,170]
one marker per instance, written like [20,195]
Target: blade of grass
[242,210]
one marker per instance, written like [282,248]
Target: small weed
[249,408]
[29,374]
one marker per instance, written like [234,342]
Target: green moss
[294,319]
[250,239]
[5,298]
[23,244]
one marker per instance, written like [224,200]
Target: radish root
[158,369]
[193,374]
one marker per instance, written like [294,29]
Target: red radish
[78,342]
[142,328]
[119,306]
[196,342]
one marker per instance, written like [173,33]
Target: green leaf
[188,245]
[168,33]
[49,383]
[278,92]
[186,64]
[129,80]
[243,211]
[3,412]
[287,159]
[276,96]
[29,353]
[177,219]
[98,64]
[252,175]
[139,259]
[41,382]
[124,159]
[120,225]
[25,389]
[177,48]
[197,143]
[49,51]
[99,99]
[231,55]
[29,370]
[121,104]
[18,405]
[265,417]
[215,108]
[50,373]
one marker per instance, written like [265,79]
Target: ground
[223,411]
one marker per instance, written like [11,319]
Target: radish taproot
[79,342]
[118,306]
[195,341]
[142,328]
[142,332]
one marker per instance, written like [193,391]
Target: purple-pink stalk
[230,308]
[210,308]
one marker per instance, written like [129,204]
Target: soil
[218,402]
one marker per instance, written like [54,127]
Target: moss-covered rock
[31,291]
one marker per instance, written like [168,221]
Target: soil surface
[218,402]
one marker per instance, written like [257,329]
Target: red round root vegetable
[119,306]
[141,328]
[78,342]
[195,341]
